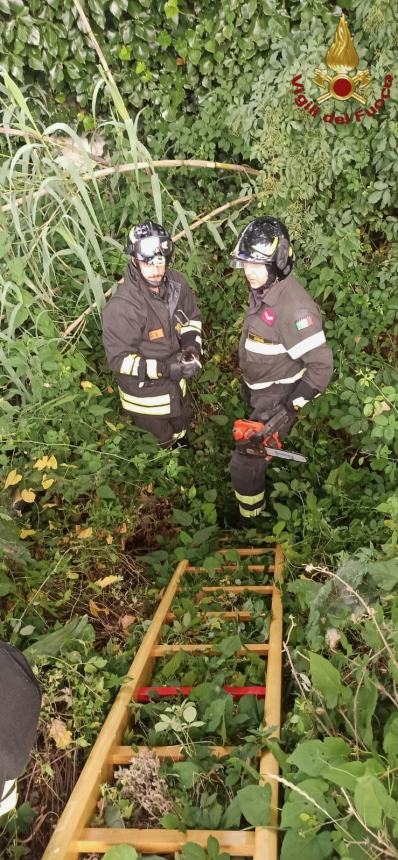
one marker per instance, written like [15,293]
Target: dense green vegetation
[93,515]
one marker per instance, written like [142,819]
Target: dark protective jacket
[140,331]
[283,341]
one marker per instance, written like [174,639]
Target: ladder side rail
[266,838]
[98,767]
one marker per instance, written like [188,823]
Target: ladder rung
[238,589]
[242,615]
[255,568]
[161,650]
[123,755]
[99,839]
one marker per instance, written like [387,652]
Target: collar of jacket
[270,296]
[138,280]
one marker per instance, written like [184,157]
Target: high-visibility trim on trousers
[244,512]
[158,405]
[179,435]
[250,500]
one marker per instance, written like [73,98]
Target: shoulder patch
[304,322]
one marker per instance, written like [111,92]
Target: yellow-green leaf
[12,478]
[47,482]
[28,495]
[24,533]
[107,580]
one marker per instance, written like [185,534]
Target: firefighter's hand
[190,363]
[171,368]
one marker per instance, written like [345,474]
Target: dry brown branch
[243,200]
[60,142]
[146,165]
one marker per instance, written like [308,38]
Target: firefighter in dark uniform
[20,703]
[152,336]
[283,355]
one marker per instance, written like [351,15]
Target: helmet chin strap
[259,293]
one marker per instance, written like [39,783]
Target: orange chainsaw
[261,439]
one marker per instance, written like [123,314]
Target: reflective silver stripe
[264,348]
[245,513]
[152,368]
[300,402]
[128,363]
[250,500]
[198,340]
[180,435]
[308,343]
[8,801]
[193,325]
[256,385]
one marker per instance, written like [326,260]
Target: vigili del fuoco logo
[342,59]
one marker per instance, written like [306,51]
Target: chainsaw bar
[277,452]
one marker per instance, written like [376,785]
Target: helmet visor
[154,249]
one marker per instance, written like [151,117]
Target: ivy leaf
[326,679]
[254,802]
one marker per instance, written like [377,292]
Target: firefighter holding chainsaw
[152,336]
[283,356]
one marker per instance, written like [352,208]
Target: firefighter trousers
[248,471]
[166,429]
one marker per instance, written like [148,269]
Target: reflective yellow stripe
[130,364]
[245,513]
[159,400]
[159,405]
[183,386]
[250,500]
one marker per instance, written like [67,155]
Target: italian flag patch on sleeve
[304,322]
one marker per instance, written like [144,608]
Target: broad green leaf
[121,852]
[373,802]
[254,802]
[190,851]
[295,845]
[326,679]
[384,573]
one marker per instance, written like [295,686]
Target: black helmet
[150,243]
[265,240]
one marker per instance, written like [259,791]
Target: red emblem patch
[268,316]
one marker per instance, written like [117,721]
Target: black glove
[171,368]
[281,419]
[190,362]
[301,394]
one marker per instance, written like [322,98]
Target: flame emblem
[342,58]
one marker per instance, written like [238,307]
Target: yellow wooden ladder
[73,837]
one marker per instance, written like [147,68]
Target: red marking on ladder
[143,693]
